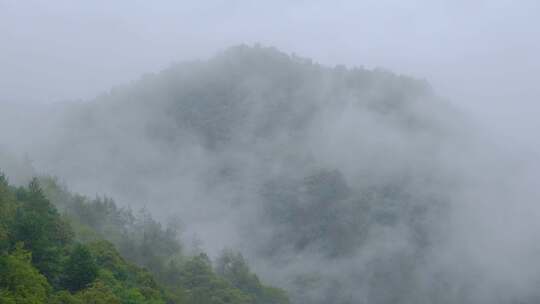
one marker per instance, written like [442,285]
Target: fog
[478,54]
[340,181]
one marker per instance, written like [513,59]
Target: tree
[80,269]
[98,293]
[64,297]
[37,252]
[40,228]
[7,212]
[272,295]
[234,268]
[20,282]
[204,287]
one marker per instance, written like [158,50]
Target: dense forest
[79,250]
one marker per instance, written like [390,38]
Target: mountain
[338,184]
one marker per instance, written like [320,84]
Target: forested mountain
[340,185]
[69,255]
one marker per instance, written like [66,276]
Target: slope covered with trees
[341,185]
[324,177]
[68,255]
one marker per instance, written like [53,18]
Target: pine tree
[80,269]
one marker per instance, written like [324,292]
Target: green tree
[41,229]
[37,251]
[98,293]
[64,297]
[234,268]
[272,295]
[80,269]
[205,287]
[20,282]
[7,212]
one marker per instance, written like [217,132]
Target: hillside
[72,257]
[337,183]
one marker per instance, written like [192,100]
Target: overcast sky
[481,54]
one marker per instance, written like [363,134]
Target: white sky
[483,55]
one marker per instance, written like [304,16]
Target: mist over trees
[339,185]
[49,257]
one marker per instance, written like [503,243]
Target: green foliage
[80,269]
[29,221]
[7,212]
[98,293]
[64,297]
[233,267]
[41,261]
[205,287]
[109,259]
[39,227]
[272,295]
[128,282]
[140,239]
[20,282]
